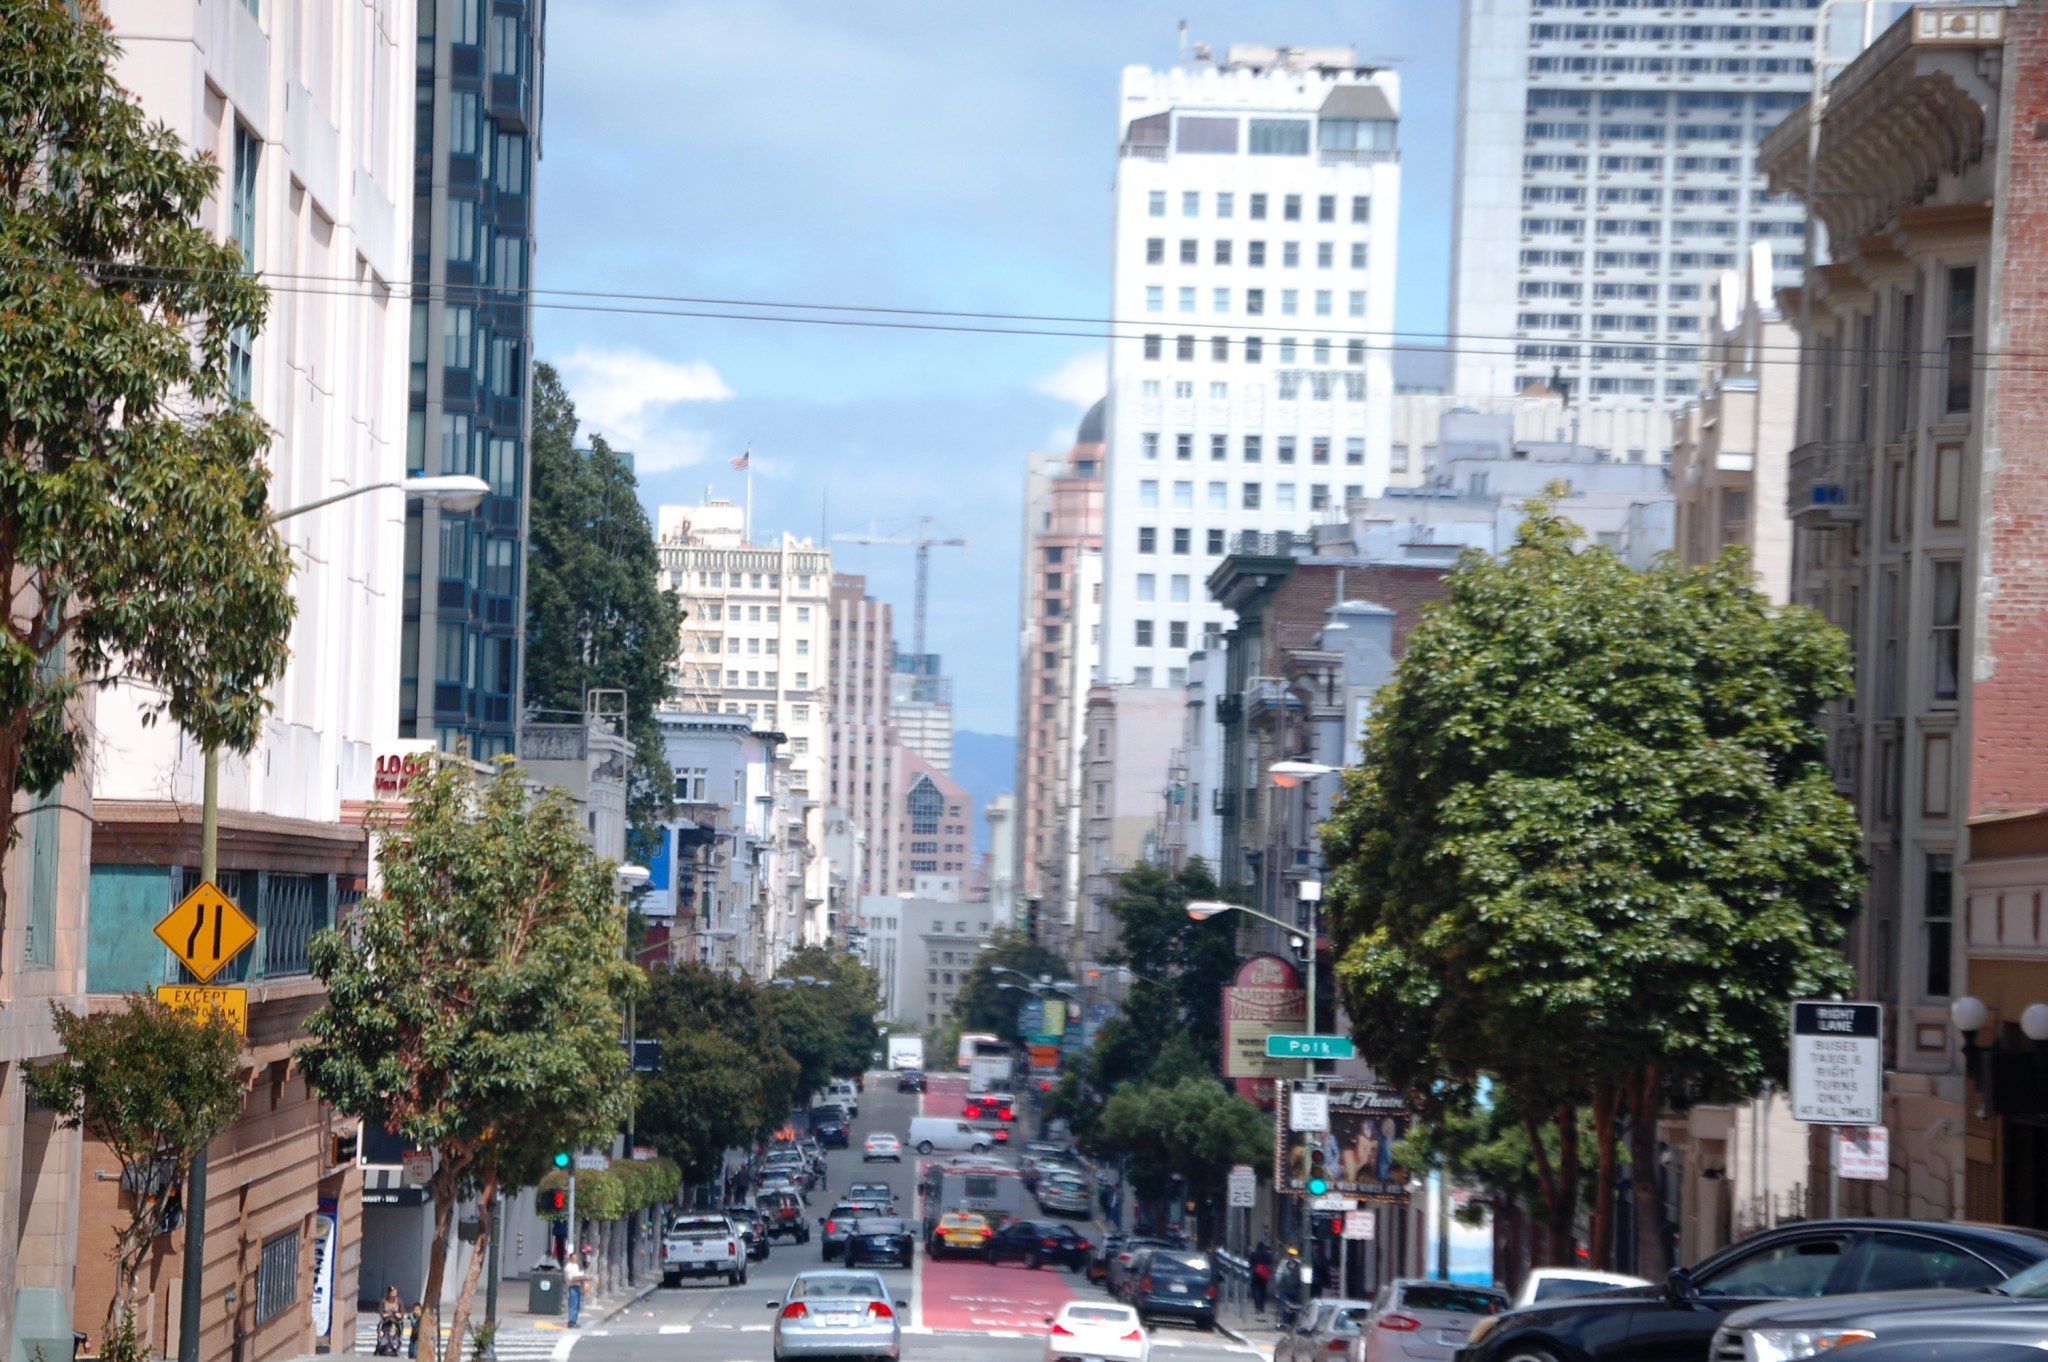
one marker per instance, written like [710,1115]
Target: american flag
[741,461]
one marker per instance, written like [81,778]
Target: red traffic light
[555,1202]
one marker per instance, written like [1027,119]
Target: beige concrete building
[1729,445]
[863,768]
[1613,434]
[1129,731]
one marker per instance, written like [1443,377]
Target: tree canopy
[724,1078]
[134,519]
[474,1003]
[983,1004]
[597,616]
[822,1004]
[1593,846]
[1192,1128]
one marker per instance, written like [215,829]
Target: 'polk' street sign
[1308,1047]
[1838,1063]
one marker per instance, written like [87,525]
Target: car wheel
[1031,1261]
[980,1149]
[924,1146]
[1526,1353]
[732,1278]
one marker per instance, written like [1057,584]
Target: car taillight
[880,1310]
[1081,1243]
[1335,1345]
[1062,1331]
[1145,1284]
[1400,1324]
[1212,1291]
[1007,1114]
[1135,1336]
[973,1112]
[731,1247]
[1047,1243]
[830,1228]
[794,1310]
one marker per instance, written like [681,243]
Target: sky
[944,154]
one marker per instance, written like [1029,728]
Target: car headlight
[1792,1345]
[1481,1330]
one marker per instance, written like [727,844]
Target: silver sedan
[838,1314]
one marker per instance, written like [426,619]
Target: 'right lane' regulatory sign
[1838,1063]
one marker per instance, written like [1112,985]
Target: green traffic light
[561,1158]
[1316,1186]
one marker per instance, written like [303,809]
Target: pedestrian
[1262,1274]
[412,1342]
[574,1278]
[390,1323]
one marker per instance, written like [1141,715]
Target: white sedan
[1085,1331]
[881,1145]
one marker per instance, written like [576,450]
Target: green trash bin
[545,1294]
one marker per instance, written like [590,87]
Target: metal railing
[1144,151]
[1272,543]
[1828,480]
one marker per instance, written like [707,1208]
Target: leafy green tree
[596,614]
[824,1003]
[1179,969]
[983,1004]
[724,1076]
[153,1085]
[1192,1129]
[1593,845]
[474,1002]
[134,525]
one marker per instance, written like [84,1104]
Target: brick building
[1919,495]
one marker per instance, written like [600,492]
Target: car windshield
[1178,1268]
[2030,1285]
[698,1227]
[854,1287]
[1099,1314]
[1450,1299]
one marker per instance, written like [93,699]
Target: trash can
[544,1292]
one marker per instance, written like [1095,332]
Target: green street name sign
[1308,1047]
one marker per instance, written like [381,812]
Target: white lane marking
[563,1346]
[755,1328]
[674,1329]
[600,1333]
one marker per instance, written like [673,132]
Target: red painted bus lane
[961,1293]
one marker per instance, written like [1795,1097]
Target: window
[1219,300]
[691,782]
[1284,448]
[1937,910]
[1255,254]
[1148,586]
[1258,207]
[1176,633]
[1358,255]
[1155,203]
[1253,445]
[1183,448]
[1219,349]
[1223,250]
[1960,337]
[1155,298]
[1186,297]
[1219,447]
[1155,250]
[1326,255]
[926,806]
[1142,633]
[1290,302]
[1148,493]
[1947,628]
[1891,1261]
[1148,444]
[1254,349]
[1326,208]
[1152,345]
[1190,203]
[1141,677]
[1148,539]
[1290,208]
[1354,450]
[277,1276]
[1250,500]
[1319,496]
[1190,251]
[1323,310]
[1180,540]
[1255,302]
[1290,255]
[1183,496]
[1361,208]
[1226,202]
[1283,496]
[1178,587]
[1214,541]
[1183,347]
[1799,1268]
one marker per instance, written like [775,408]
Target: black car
[753,1226]
[831,1131]
[910,1080]
[2012,1312]
[1173,1284]
[880,1239]
[1800,1261]
[782,1216]
[1035,1242]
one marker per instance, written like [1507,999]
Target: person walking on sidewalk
[575,1278]
[1262,1274]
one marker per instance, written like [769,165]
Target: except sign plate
[1838,1063]
[1361,1225]
[205,931]
[201,999]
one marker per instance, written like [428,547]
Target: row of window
[1680,226]
[1224,252]
[1681,134]
[1287,349]
[1572,321]
[1647,195]
[1668,5]
[1322,387]
[1637,354]
[1224,202]
[1579,64]
[1684,102]
[1666,33]
[754,581]
[1572,290]
[1217,498]
[1252,448]
[766,680]
[758,646]
[1323,301]
[1635,163]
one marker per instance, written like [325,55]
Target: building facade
[721,844]
[1062,520]
[1915,493]
[922,950]
[1123,749]
[475,139]
[935,828]
[863,765]
[1729,445]
[1255,201]
[1605,169]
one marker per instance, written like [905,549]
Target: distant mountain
[986,764]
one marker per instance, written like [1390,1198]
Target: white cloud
[628,396]
[1082,380]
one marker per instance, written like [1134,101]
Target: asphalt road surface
[971,1311]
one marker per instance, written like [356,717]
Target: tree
[134,525]
[153,1084]
[596,614]
[724,1077]
[474,1002]
[825,1014]
[1593,845]
[983,1004]
[1180,968]
[1193,1129]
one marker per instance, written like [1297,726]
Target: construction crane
[924,543]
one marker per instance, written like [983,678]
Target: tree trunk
[486,1227]
[1564,1205]
[1606,1098]
[443,1185]
[1653,1232]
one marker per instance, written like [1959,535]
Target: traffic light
[1317,1186]
[554,1202]
[562,1159]
[1337,1225]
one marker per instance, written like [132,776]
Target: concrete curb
[640,1295]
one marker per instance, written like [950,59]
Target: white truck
[906,1052]
[703,1246]
[989,1073]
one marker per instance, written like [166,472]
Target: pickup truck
[703,1246]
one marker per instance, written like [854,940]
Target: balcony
[1268,693]
[1827,482]
[1144,151]
[1358,156]
[1272,543]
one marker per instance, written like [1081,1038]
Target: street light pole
[457,493]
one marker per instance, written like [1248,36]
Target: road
[958,1310]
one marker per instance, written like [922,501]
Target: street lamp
[456,492]
[633,877]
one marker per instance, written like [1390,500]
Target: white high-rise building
[1606,171]
[1253,279]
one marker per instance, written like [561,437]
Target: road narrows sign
[205,931]
[1838,1063]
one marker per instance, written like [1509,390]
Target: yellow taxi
[961,1232]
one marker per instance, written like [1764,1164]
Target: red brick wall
[1301,601]
[2009,733]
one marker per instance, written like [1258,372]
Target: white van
[845,1093]
[946,1135]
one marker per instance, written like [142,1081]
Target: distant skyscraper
[476,148]
[921,706]
[861,653]
[1606,171]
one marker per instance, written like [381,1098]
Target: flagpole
[748,533]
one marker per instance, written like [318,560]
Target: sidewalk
[522,1335]
[1251,1328]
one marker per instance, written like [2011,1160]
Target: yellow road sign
[205,931]
[202,999]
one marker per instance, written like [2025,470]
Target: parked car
[2013,1312]
[1417,1319]
[837,1314]
[1562,1283]
[703,1246]
[910,1080]
[846,1093]
[1323,1332]
[880,1239]
[1118,1273]
[782,1215]
[1091,1331]
[748,1221]
[872,1191]
[839,1224]
[960,1232]
[1065,1193]
[831,1128]
[1036,1242]
[881,1146]
[1804,1260]
[1174,1284]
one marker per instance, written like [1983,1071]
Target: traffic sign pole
[192,1297]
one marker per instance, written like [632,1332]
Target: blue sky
[949,155]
